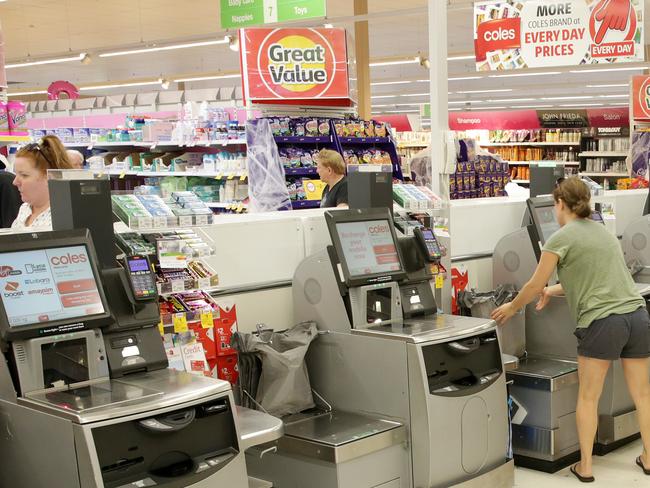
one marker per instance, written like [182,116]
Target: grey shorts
[617,336]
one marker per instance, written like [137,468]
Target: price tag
[185,220]
[180,323]
[243,176]
[207,320]
[204,283]
[159,222]
[440,281]
[122,174]
[231,176]
[240,207]
[219,176]
[201,220]
[161,328]
[178,286]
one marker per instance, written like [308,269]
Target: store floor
[616,469]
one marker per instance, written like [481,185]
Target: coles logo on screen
[378,229]
[68,258]
[292,63]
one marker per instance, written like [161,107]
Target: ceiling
[41,29]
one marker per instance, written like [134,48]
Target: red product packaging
[206,337]
[225,368]
[225,325]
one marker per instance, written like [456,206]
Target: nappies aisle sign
[244,13]
[295,65]
[515,34]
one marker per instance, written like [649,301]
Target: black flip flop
[639,463]
[583,479]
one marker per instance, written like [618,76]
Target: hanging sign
[562,119]
[641,97]
[294,65]
[511,34]
[57,88]
[244,13]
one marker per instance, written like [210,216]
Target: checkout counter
[86,398]
[428,390]
[545,385]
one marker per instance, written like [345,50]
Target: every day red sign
[641,97]
[511,34]
[295,66]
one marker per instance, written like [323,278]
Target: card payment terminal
[429,243]
[141,277]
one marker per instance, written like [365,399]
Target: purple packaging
[17,117]
[323,127]
[66,135]
[81,135]
[4,119]
[38,133]
[298,127]
[311,127]
[454,195]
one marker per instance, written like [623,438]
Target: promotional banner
[511,34]
[641,97]
[299,66]
[244,13]
[538,119]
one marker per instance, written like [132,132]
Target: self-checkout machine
[434,381]
[545,385]
[636,245]
[86,397]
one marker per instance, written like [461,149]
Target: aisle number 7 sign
[245,13]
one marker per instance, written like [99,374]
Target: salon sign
[294,65]
[516,34]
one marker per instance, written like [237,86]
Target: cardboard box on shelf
[225,325]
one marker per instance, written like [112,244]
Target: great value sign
[285,65]
[511,34]
[641,97]
[243,13]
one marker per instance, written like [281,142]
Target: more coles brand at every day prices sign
[516,34]
[641,97]
[294,65]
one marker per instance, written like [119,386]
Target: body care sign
[515,34]
[294,64]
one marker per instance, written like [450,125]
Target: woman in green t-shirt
[610,314]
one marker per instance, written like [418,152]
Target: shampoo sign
[512,34]
[284,65]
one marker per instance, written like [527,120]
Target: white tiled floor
[615,470]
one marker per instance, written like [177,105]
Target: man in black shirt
[331,170]
[10,201]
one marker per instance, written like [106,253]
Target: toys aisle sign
[294,65]
[516,34]
[244,13]
[641,97]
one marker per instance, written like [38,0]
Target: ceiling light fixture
[397,82]
[586,97]
[376,97]
[396,62]
[328,26]
[458,102]
[424,62]
[512,100]
[501,90]
[35,92]
[605,70]
[86,59]
[164,83]
[462,78]
[619,85]
[580,105]
[233,42]
[516,75]
[118,85]
[205,78]
[171,47]
[460,58]
[531,106]
[614,96]
[77,57]
[488,108]
[415,94]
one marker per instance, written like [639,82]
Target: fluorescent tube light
[586,97]
[461,78]
[67,59]
[531,106]
[614,96]
[512,100]
[619,85]
[460,58]
[392,63]
[204,78]
[487,108]
[605,70]
[516,75]
[163,48]
[35,92]
[382,96]
[462,102]
[580,105]
[502,90]
[415,94]
[118,85]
